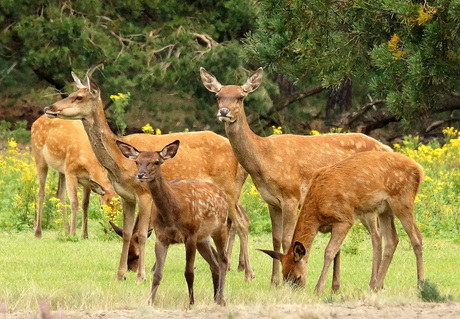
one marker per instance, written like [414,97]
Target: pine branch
[281,102]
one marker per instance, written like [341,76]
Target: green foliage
[429,292]
[121,104]
[401,51]
[18,132]
[259,220]
[147,47]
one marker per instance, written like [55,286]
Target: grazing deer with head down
[187,212]
[281,166]
[207,156]
[76,163]
[366,184]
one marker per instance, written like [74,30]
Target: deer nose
[140,175]
[46,109]
[223,112]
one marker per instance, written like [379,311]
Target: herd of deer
[334,179]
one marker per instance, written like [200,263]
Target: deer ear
[127,150]
[116,229]
[78,82]
[210,82]
[92,87]
[170,150]
[96,187]
[253,81]
[272,253]
[299,251]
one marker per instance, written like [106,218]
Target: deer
[281,166]
[366,184]
[188,212]
[76,164]
[230,181]
[206,156]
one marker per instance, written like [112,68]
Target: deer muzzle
[50,111]
[224,115]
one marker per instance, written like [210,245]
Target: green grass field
[80,275]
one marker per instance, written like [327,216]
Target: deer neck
[165,200]
[305,232]
[103,140]
[247,146]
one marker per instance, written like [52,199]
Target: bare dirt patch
[314,311]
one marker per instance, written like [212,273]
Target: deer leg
[220,239]
[405,213]
[243,262]
[289,209]
[61,195]
[42,171]
[128,222]
[241,224]
[336,273]
[85,206]
[390,235]
[72,192]
[145,207]
[190,253]
[161,250]
[277,233]
[230,242]
[371,223]
[338,234]
[210,255]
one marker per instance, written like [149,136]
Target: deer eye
[156,162]
[78,98]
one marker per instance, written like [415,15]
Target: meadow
[71,273]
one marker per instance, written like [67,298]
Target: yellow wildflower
[147,128]
[277,130]
[314,132]
[12,143]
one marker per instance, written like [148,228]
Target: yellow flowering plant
[439,197]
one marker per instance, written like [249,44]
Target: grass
[80,275]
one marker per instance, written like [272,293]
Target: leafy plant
[429,292]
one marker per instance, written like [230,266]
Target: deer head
[79,104]
[293,263]
[107,195]
[148,162]
[230,97]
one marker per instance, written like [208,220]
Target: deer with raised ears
[64,146]
[366,184]
[206,156]
[188,212]
[281,166]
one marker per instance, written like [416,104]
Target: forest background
[387,68]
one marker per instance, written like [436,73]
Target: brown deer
[281,166]
[229,180]
[206,156]
[370,183]
[187,212]
[64,146]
